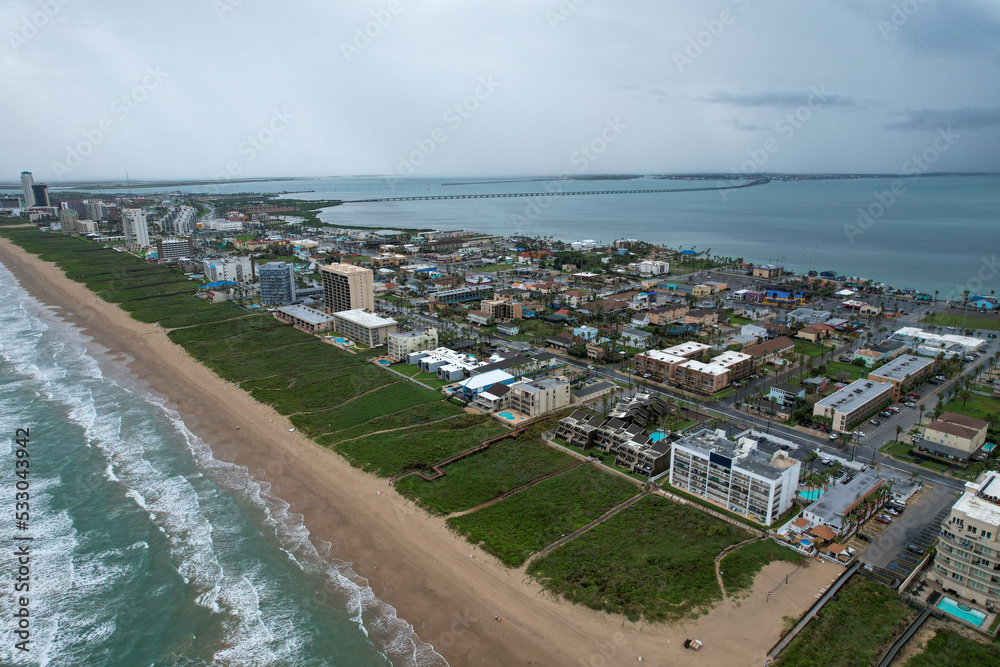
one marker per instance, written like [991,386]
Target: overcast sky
[203,89]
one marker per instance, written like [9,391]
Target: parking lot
[917,525]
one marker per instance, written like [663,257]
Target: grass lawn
[494,267]
[390,454]
[738,321]
[414,372]
[706,503]
[949,320]
[384,400]
[853,629]
[655,559]
[901,452]
[504,466]
[530,520]
[810,349]
[835,368]
[415,416]
[951,648]
[741,566]
[977,406]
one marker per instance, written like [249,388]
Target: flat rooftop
[981,500]
[364,318]
[855,395]
[839,499]
[902,366]
[310,315]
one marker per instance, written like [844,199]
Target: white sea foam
[126,437]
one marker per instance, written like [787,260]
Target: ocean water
[938,233]
[147,550]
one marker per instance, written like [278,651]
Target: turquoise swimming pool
[385,362]
[812,494]
[509,416]
[989,447]
[342,341]
[656,437]
[961,611]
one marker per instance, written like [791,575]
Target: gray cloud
[966,118]
[773,99]
[748,126]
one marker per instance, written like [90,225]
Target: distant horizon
[16,185]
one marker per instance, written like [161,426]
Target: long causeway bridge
[570,193]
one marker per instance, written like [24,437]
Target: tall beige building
[347,287]
[968,552]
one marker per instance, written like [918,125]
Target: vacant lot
[853,629]
[951,648]
[741,566]
[949,320]
[390,454]
[528,521]
[483,476]
[655,559]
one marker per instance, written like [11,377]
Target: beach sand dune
[410,558]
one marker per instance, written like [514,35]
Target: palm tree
[920,413]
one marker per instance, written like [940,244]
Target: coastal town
[583,411]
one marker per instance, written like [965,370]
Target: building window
[971,530]
[978,586]
[957,577]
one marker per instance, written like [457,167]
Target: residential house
[876,355]
[815,333]
[785,394]
[637,338]
[494,397]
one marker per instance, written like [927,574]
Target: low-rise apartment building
[854,403]
[967,562]
[843,506]
[305,318]
[401,344]
[738,476]
[714,376]
[904,373]
[954,439]
[537,397]
[363,327]
[662,364]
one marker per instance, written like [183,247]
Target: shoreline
[444,587]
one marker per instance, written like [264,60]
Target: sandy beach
[448,590]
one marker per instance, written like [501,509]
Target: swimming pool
[385,362]
[656,437]
[989,447]
[509,416]
[342,341]
[961,611]
[813,494]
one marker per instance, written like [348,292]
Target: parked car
[882,518]
[874,422]
[915,397]
[913,548]
[834,436]
[864,538]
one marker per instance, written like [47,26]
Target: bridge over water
[570,193]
